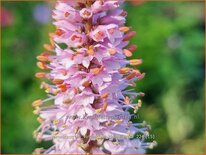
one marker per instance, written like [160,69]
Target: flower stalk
[88,107]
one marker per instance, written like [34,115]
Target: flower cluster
[87,65]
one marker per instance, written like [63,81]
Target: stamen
[111,31]
[55,122]
[87,13]
[58,81]
[138,73]
[127,100]
[36,111]
[130,76]
[64,126]
[98,110]
[49,47]
[39,151]
[112,51]
[104,107]
[37,103]
[118,121]
[51,35]
[124,13]
[132,48]
[41,65]
[98,35]
[90,51]
[105,95]
[63,88]
[135,62]
[40,75]
[52,42]
[124,70]
[66,14]
[124,29]
[96,71]
[42,58]
[40,120]
[127,53]
[141,76]
[67,101]
[139,103]
[129,35]
[141,94]
[108,123]
[59,32]
[86,83]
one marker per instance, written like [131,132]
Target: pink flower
[87,109]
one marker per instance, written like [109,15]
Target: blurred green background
[170,39]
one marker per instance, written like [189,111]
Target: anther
[58,81]
[138,73]
[124,70]
[59,32]
[141,94]
[118,121]
[42,58]
[98,110]
[40,75]
[66,14]
[139,103]
[67,101]
[127,53]
[105,95]
[63,88]
[55,121]
[104,106]
[49,47]
[86,83]
[37,103]
[127,100]
[96,71]
[124,29]
[40,120]
[124,14]
[108,123]
[132,48]
[130,76]
[36,111]
[90,51]
[112,51]
[141,76]
[135,62]
[41,65]
[64,126]
[129,35]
